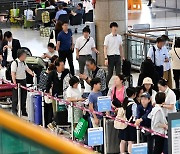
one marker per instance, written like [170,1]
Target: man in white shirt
[85,45]
[51,52]
[158,55]
[18,73]
[113,51]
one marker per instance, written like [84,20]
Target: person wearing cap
[158,55]
[143,110]
[85,45]
[148,87]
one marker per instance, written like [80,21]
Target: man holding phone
[9,50]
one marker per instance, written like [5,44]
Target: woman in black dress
[129,133]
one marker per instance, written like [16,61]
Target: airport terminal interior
[90,76]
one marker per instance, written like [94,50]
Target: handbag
[116,101]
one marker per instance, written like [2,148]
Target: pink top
[119,94]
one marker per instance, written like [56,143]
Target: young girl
[129,133]
[158,122]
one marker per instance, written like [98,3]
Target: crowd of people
[147,105]
[62,8]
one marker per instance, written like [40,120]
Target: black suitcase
[126,68]
[112,139]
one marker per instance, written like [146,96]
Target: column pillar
[107,11]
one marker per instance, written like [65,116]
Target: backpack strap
[154,51]
[16,62]
[114,95]
[85,44]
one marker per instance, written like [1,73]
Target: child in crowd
[129,133]
[93,98]
[158,122]
[51,52]
[143,110]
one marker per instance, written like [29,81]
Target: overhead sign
[95,136]
[139,148]
[104,103]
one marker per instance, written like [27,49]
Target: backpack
[122,115]
[45,17]
[8,70]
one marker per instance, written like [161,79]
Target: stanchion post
[19,99]
[138,134]
[104,132]
[72,120]
[43,102]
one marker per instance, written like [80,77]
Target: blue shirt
[60,12]
[93,97]
[65,40]
[143,113]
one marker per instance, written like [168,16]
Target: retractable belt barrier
[90,111]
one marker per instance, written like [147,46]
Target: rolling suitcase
[30,106]
[112,136]
[37,109]
[6,90]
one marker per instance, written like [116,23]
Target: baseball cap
[146,95]
[147,80]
